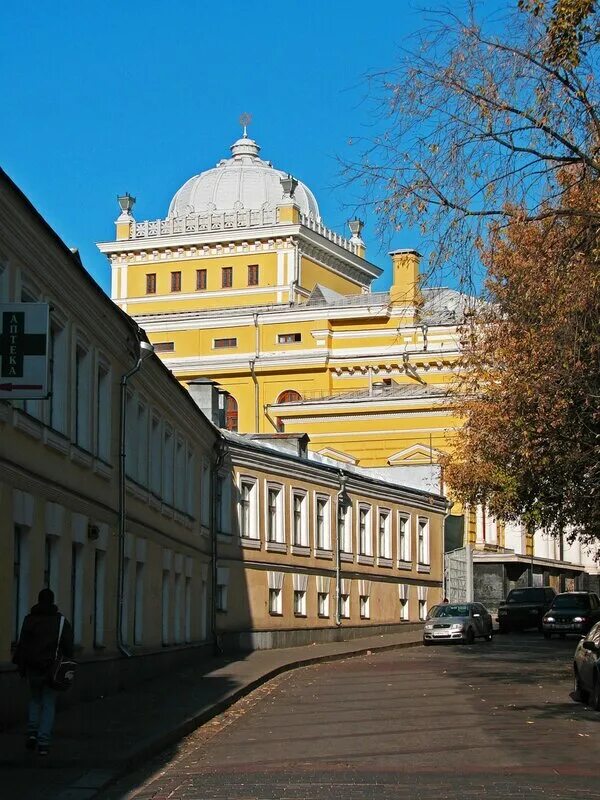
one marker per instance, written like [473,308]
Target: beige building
[59,480]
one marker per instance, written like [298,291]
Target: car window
[452,610]
[526,596]
[581,601]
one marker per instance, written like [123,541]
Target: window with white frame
[345,606]
[205,493]
[82,397]
[300,587]
[422,596]
[404,538]
[365,606]
[275,584]
[190,472]
[57,414]
[299,519]
[248,508]
[423,540]
[142,444]
[323,584]
[168,465]
[365,539]
[322,523]
[344,527]
[275,531]
[221,594]
[180,480]
[384,535]
[155,456]
[403,590]
[323,604]
[103,409]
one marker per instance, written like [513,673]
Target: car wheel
[596,693]
[489,637]
[581,694]
[469,637]
[547,635]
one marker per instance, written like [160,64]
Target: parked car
[586,668]
[525,608]
[458,622]
[572,612]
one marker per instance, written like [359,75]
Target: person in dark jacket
[34,657]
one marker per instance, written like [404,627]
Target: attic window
[289,338]
[219,343]
[164,347]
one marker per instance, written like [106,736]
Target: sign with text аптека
[24,337]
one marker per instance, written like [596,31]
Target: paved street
[494,720]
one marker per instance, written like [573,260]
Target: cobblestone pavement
[488,721]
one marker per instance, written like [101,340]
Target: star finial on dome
[245,120]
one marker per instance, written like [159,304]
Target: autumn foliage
[530,380]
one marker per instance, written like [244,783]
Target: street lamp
[145,349]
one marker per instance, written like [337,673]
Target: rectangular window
[167,466]
[384,543]
[345,606]
[200,280]
[166,586]
[76,591]
[138,608]
[178,615]
[188,610]
[180,480]
[422,610]
[142,444]
[99,582]
[275,602]
[248,527]
[155,457]
[403,538]
[365,611]
[103,408]
[404,611]
[289,338]
[205,493]
[299,603]
[364,531]
[219,344]
[164,347]
[323,604]
[82,398]
[275,532]
[126,593]
[322,524]
[423,541]
[344,531]
[58,378]
[151,283]
[253,275]
[222,589]
[176,281]
[227,277]
[51,564]
[20,579]
[299,527]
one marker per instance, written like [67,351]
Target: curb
[189,725]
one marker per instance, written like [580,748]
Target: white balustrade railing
[205,223]
[332,236]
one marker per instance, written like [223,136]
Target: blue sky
[100,98]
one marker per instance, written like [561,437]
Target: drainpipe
[218,463]
[341,498]
[269,417]
[145,349]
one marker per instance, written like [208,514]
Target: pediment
[338,455]
[415,454]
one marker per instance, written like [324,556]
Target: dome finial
[245,120]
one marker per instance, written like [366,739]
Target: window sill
[57,441]
[81,457]
[276,547]
[275,614]
[367,560]
[323,616]
[28,424]
[225,538]
[102,469]
[364,618]
[327,554]
[166,510]
[384,562]
[153,501]
[221,610]
[251,544]
[347,557]
[299,550]
[297,614]
[424,568]
[404,564]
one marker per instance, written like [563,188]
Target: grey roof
[443,306]
[400,391]
[321,295]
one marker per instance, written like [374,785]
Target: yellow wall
[312,273]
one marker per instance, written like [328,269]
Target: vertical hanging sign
[24,337]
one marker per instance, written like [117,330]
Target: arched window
[231,414]
[289,396]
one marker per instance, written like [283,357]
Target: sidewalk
[98,741]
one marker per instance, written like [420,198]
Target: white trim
[171,297]
[404,457]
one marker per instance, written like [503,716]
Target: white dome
[243,181]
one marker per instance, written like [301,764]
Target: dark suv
[572,612]
[525,608]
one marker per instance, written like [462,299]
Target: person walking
[34,656]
